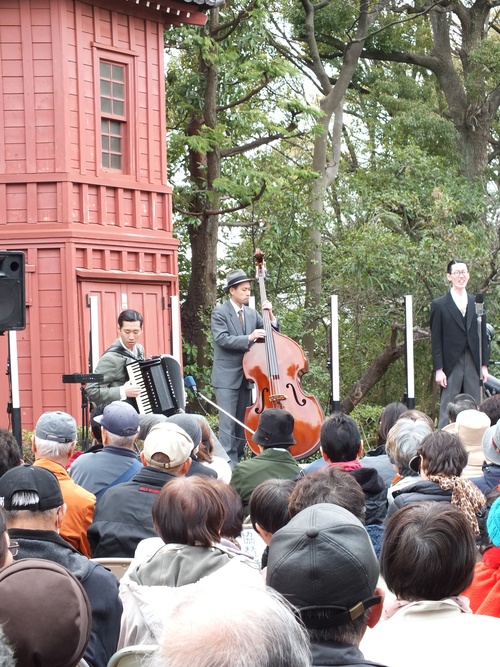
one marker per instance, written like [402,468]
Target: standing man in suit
[455,341]
[235,327]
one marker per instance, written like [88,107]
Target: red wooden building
[83,184]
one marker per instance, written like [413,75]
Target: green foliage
[399,210]
[366,417]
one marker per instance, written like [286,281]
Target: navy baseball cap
[119,418]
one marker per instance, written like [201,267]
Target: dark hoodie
[375,492]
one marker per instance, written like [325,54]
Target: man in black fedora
[274,436]
[235,327]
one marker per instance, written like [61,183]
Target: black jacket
[328,653]
[422,490]
[122,517]
[452,334]
[100,584]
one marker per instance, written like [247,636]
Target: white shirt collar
[236,307]
[134,351]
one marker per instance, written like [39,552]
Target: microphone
[190,383]
[479,304]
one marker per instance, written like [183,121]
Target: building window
[113,114]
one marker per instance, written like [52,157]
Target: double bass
[276,365]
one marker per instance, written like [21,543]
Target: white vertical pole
[14,388]
[410,368]
[176,329]
[94,331]
[334,352]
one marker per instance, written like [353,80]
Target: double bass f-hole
[276,367]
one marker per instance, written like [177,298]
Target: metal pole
[176,329]
[410,368]
[334,344]
[14,387]
[94,333]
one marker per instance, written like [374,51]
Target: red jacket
[484,592]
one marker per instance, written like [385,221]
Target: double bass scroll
[276,365]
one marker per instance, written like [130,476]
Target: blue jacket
[490,479]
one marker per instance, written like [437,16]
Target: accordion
[160,380]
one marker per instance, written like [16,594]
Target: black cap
[30,479]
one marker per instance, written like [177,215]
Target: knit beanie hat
[493,523]
[45,613]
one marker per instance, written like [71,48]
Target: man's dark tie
[240,317]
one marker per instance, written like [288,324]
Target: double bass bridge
[276,398]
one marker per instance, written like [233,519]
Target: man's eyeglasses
[459,273]
[14,548]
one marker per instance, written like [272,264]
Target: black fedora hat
[275,428]
[236,277]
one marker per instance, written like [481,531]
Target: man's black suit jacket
[451,334]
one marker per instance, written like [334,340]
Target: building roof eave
[177,12]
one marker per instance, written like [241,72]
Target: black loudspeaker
[12,293]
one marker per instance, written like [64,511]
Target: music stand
[82,379]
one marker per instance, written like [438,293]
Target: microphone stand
[199,395]
[479,316]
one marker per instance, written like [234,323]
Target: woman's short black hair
[269,504]
[390,414]
[442,453]
[428,552]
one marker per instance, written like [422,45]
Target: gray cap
[236,277]
[323,560]
[188,423]
[491,444]
[56,426]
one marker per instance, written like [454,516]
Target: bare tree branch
[247,97]
[262,141]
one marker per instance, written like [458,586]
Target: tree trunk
[203,234]
[326,160]
[378,368]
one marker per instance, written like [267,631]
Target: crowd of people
[359,558]
[353,561]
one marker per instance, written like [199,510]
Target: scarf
[346,465]
[465,495]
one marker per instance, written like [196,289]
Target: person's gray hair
[49,449]
[403,440]
[348,633]
[121,440]
[23,498]
[233,626]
